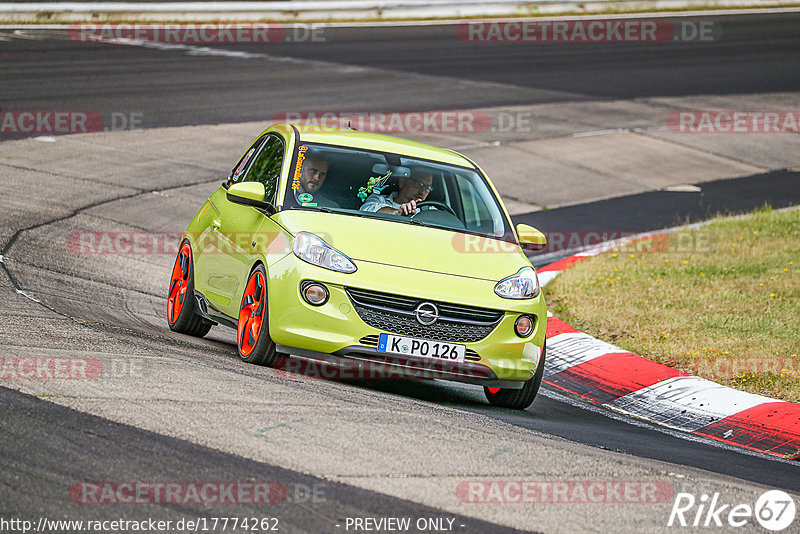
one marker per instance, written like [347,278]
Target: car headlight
[315,251]
[522,285]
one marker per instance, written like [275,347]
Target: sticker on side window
[245,159]
[298,169]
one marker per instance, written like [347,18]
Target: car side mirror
[530,238]
[251,194]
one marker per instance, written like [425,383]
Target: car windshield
[375,184]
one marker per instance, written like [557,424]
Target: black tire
[181,293]
[257,348]
[519,399]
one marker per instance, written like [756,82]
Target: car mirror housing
[250,194]
[530,238]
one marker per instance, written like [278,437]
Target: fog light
[314,293]
[523,326]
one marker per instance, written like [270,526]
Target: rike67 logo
[774,510]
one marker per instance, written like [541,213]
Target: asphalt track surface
[174,89]
[46,446]
[71,444]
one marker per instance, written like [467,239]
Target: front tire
[253,341]
[518,399]
[181,315]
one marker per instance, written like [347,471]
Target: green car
[365,250]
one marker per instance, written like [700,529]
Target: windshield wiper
[326,209]
[346,211]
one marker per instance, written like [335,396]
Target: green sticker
[309,204]
[304,197]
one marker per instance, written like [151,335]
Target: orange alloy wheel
[251,314]
[179,283]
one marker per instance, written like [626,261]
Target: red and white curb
[637,387]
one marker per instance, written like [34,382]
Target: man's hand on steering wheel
[437,205]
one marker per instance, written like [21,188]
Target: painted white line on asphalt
[682,188]
[609,131]
[337,67]
[28,296]
[190,50]
[601,132]
[477,145]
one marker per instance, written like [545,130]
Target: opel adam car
[284,253]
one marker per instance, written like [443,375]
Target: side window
[240,168]
[266,167]
[467,193]
[476,213]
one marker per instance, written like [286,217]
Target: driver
[403,202]
[315,170]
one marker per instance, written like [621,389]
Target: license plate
[421,348]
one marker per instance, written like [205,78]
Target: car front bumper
[335,329]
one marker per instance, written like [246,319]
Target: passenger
[403,202]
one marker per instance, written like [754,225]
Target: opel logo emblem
[427,313]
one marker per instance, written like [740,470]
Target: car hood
[409,246]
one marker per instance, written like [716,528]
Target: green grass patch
[721,301]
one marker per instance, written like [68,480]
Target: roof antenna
[349,127]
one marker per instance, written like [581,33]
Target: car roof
[378,142]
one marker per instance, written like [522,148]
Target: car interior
[349,170]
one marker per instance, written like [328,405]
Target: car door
[235,225]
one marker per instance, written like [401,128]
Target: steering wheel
[436,204]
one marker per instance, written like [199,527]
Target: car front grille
[395,314]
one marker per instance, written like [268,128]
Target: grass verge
[721,301]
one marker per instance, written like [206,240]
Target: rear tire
[181,315]
[518,399]
[252,340]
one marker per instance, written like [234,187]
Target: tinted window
[241,166]
[266,168]
[368,184]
